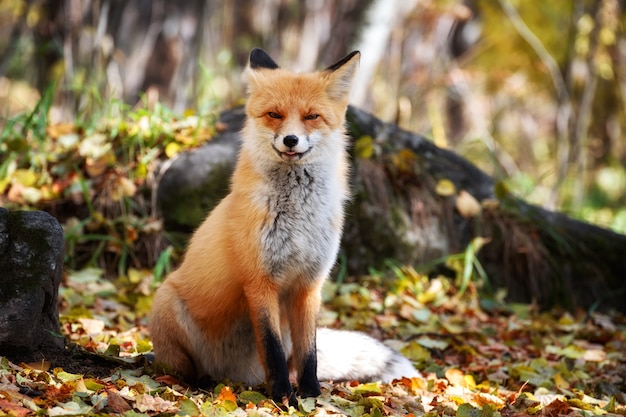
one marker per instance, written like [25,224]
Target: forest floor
[478,357]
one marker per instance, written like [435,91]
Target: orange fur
[248,290]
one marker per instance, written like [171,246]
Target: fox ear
[340,76]
[260,59]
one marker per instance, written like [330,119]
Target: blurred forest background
[533,92]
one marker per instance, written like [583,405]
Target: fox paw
[309,388]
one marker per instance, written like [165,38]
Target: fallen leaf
[14,409]
[116,402]
[76,407]
[456,377]
[445,188]
[92,326]
[187,408]
[146,402]
[594,355]
[226,394]
[368,388]
[42,365]
[167,380]
[467,205]
[252,397]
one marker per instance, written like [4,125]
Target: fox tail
[346,355]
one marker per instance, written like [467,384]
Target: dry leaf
[39,366]
[116,402]
[467,205]
[456,377]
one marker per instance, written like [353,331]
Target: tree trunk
[404,208]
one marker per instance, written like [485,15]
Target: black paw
[282,393]
[286,399]
[309,388]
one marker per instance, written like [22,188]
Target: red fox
[244,302]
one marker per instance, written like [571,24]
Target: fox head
[296,118]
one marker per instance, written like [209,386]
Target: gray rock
[32,246]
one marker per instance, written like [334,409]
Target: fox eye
[311,116]
[274,115]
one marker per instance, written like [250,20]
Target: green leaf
[187,408]
[112,350]
[253,397]
[368,388]
[93,385]
[133,413]
[67,377]
[432,343]
[308,405]
[467,410]
[76,407]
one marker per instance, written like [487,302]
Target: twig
[564,112]
[539,48]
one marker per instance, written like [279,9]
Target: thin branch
[565,110]
[541,51]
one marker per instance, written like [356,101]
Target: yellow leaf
[25,177]
[141,171]
[4,182]
[369,388]
[134,275]
[364,147]
[172,149]
[560,382]
[445,188]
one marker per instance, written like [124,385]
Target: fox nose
[290,141]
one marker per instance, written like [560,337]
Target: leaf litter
[479,357]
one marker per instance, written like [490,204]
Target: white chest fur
[301,233]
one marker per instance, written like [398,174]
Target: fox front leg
[265,315]
[304,309]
